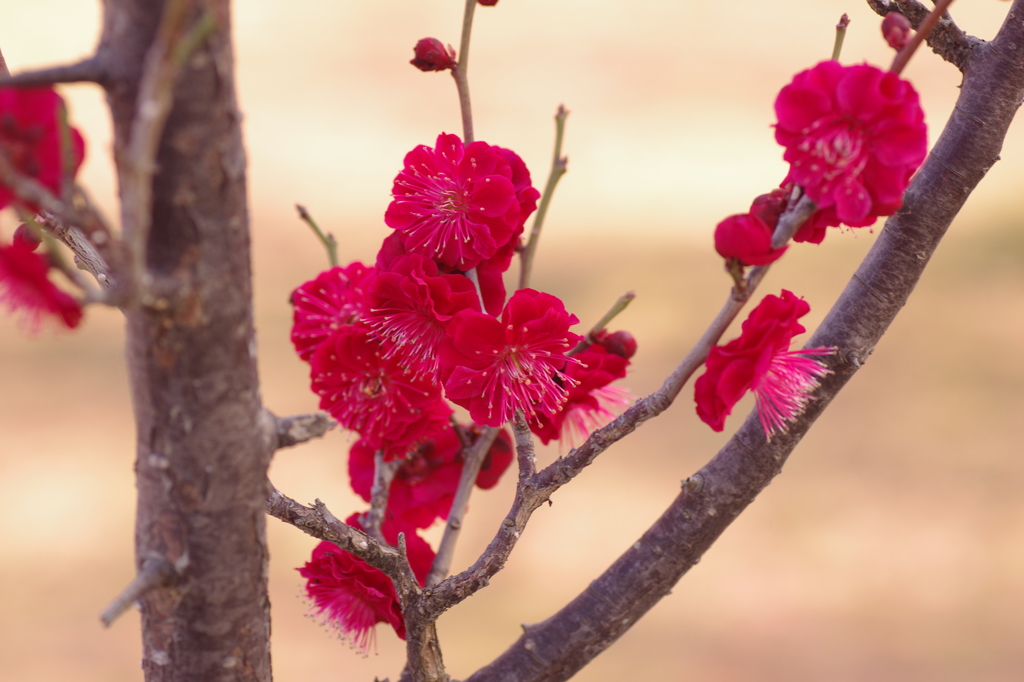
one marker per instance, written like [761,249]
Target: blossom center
[839,145]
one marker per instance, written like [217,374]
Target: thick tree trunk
[202,449]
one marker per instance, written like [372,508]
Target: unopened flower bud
[620,343]
[768,207]
[432,55]
[488,3]
[26,238]
[746,238]
[896,30]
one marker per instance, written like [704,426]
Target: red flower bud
[431,55]
[768,207]
[896,30]
[746,238]
[488,3]
[620,343]
[26,238]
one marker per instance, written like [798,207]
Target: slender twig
[460,73]
[156,571]
[171,47]
[87,256]
[327,239]
[591,336]
[923,31]
[57,260]
[86,71]
[837,48]
[559,164]
[472,460]
[383,474]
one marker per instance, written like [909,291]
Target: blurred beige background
[892,549]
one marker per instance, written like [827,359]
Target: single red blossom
[337,297]
[431,55]
[351,595]
[854,136]
[30,137]
[896,30]
[375,395]
[591,402]
[410,305]
[456,204]
[424,485]
[25,287]
[759,360]
[493,368]
[747,239]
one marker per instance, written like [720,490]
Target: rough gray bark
[203,439]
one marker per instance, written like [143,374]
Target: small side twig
[327,239]
[383,473]
[473,458]
[460,73]
[156,571]
[88,70]
[289,431]
[559,165]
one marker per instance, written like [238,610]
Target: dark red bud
[26,238]
[431,55]
[488,3]
[768,207]
[620,343]
[896,30]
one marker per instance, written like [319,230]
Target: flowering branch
[712,498]
[459,73]
[947,39]
[558,169]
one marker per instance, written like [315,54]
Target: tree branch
[992,90]
[319,522]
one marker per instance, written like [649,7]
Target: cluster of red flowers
[854,136]
[391,345]
[31,144]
